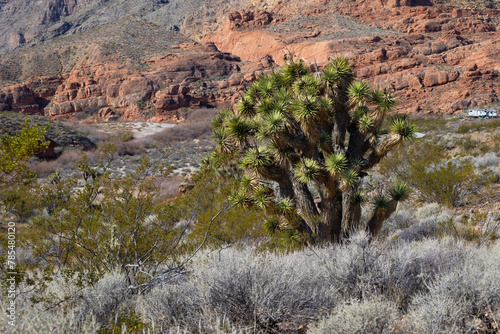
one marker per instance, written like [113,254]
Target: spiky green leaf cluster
[400,191]
[403,127]
[285,206]
[307,171]
[348,178]
[381,203]
[359,93]
[257,158]
[357,196]
[335,164]
[263,197]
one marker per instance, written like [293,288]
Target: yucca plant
[311,139]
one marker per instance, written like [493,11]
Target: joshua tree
[305,141]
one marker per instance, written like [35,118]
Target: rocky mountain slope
[29,22]
[139,60]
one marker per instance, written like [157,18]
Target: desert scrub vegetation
[107,249]
[429,286]
[196,126]
[439,176]
[58,132]
[189,142]
[436,221]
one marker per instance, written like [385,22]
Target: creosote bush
[98,223]
[436,177]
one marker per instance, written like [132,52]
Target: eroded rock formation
[437,58]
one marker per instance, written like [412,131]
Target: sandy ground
[138,129]
[142,129]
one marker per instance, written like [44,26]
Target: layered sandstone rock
[437,58]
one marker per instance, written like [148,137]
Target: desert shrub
[16,149]
[171,305]
[430,286]
[103,299]
[19,201]
[89,303]
[266,291]
[435,176]
[404,160]
[431,123]
[272,290]
[436,221]
[419,231]
[34,319]
[410,224]
[479,227]
[490,159]
[124,137]
[478,125]
[447,183]
[433,211]
[370,316]
[361,269]
[17,182]
[461,299]
[277,292]
[403,218]
[107,223]
[448,140]
[466,128]
[131,147]
[473,147]
[183,132]
[65,161]
[207,197]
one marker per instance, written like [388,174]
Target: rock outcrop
[106,91]
[437,58]
[423,49]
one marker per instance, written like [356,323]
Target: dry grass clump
[371,316]
[35,319]
[275,293]
[130,147]
[411,224]
[361,269]
[65,161]
[62,304]
[436,221]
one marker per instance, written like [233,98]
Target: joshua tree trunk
[351,215]
[379,217]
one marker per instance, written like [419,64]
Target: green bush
[107,223]
[436,177]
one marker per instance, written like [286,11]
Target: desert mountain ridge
[154,59]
